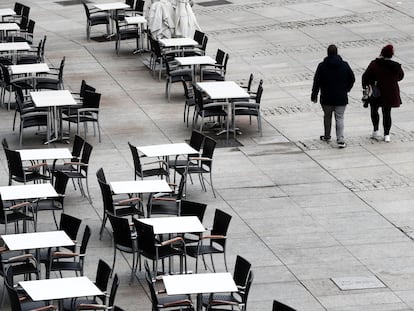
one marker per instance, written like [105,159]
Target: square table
[139,21]
[27,192]
[7,12]
[29,68]
[177,42]
[14,47]
[199,283]
[36,240]
[52,100]
[195,60]
[166,150]
[59,289]
[112,8]
[44,154]
[5,27]
[140,186]
[227,90]
[172,225]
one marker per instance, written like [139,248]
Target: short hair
[332,50]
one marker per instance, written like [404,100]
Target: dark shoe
[325,138]
[341,145]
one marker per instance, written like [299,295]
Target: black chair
[278,306]
[22,174]
[189,100]
[79,170]
[10,85]
[34,55]
[251,108]
[103,273]
[55,203]
[182,303]
[29,115]
[167,203]
[201,165]
[190,208]
[111,299]
[139,171]
[216,72]
[24,34]
[124,241]
[77,146]
[174,76]
[69,261]
[155,250]
[200,48]
[18,304]
[205,108]
[93,18]
[121,208]
[125,32]
[248,87]
[213,243]
[243,278]
[53,80]
[196,142]
[88,113]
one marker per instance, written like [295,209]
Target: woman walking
[382,76]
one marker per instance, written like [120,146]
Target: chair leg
[212,263]
[103,225]
[113,261]
[211,184]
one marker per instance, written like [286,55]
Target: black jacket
[334,78]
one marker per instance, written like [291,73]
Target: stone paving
[304,211]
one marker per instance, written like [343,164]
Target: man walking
[334,78]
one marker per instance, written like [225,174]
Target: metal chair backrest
[137,161]
[278,306]
[190,208]
[15,163]
[241,271]
[208,150]
[121,231]
[70,225]
[221,224]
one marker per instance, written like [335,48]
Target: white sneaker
[375,135]
[387,138]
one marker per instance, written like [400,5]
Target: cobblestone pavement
[304,212]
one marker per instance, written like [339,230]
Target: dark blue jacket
[334,78]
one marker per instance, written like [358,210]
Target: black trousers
[386,118]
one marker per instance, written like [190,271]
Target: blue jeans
[339,121]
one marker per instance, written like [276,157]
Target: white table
[173,225]
[45,154]
[14,47]
[36,240]
[112,8]
[29,68]
[226,90]
[195,60]
[140,186]
[199,283]
[166,150]
[52,100]
[5,27]
[27,192]
[59,289]
[177,42]
[7,12]
[139,21]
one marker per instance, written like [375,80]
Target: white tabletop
[29,68]
[111,6]
[135,20]
[60,288]
[35,240]
[195,60]
[199,283]
[168,225]
[28,191]
[223,89]
[14,46]
[53,98]
[175,42]
[165,150]
[45,154]
[7,12]
[9,26]
[140,186]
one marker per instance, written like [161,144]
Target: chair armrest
[164,199]
[64,255]
[171,241]
[84,306]
[222,302]
[19,205]
[131,200]
[182,302]
[20,258]
[50,307]
[200,159]
[37,166]
[214,237]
